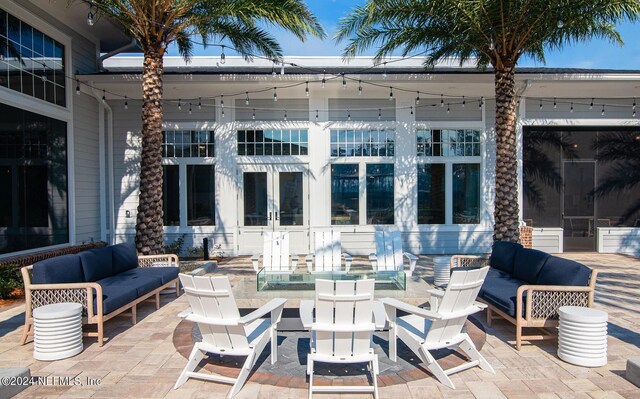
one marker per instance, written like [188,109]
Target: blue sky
[594,54]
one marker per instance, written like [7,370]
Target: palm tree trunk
[506,213]
[149,228]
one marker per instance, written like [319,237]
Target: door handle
[276,215]
[270,216]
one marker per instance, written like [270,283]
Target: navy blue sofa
[526,287]
[107,281]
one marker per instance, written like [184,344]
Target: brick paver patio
[142,361]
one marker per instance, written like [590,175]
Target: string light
[222,101]
[481,102]
[448,109]
[179,105]
[633,107]
[441,100]
[190,109]
[379,113]
[275,95]
[571,110]
[199,103]
[591,105]
[390,93]
[411,109]
[359,87]
[253,115]
[464,102]
[324,80]
[306,89]
[90,15]
[126,103]
[223,58]
[104,96]
[316,115]
[602,113]
[384,70]
[223,112]
[246,100]
[77,87]
[348,115]
[417,98]
[344,82]
[555,104]
[285,115]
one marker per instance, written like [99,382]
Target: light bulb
[306,89]
[223,58]
[253,115]
[384,70]
[359,87]
[199,103]
[246,100]
[417,98]
[222,101]
[90,20]
[275,95]
[126,103]
[390,93]
[464,102]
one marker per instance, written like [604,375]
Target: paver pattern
[141,361]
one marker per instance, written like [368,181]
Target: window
[466,193]
[30,61]
[171,195]
[33,168]
[431,193]
[201,195]
[362,143]
[188,143]
[345,194]
[273,142]
[448,143]
[380,194]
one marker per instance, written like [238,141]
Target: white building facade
[326,145]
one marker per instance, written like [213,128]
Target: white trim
[102,170]
[580,122]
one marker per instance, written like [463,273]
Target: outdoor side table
[57,331]
[582,336]
[441,272]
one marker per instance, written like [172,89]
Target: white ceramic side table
[582,336]
[57,331]
[441,271]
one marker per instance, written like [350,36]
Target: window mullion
[182,184]
[448,193]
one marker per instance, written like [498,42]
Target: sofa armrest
[37,295]
[543,301]
[151,260]
[468,260]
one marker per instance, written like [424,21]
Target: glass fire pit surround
[385,280]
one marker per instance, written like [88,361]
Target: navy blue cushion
[492,274]
[114,297]
[61,269]
[559,271]
[503,255]
[163,274]
[141,285]
[528,264]
[500,291]
[97,263]
[125,257]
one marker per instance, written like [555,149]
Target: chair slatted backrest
[460,295]
[276,251]
[389,250]
[211,298]
[341,306]
[328,249]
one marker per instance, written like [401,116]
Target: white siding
[362,109]
[269,110]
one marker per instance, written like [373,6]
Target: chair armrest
[373,258]
[273,306]
[392,303]
[309,261]
[543,301]
[347,261]
[306,313]
[255,260]
[434,301]
[412,262]
[151,260]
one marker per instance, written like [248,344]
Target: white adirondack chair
[328,254]
[342,331]
[224,332]
[441,327]
[275,258]
[388,256]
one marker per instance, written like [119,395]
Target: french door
[273,198]
[578,206]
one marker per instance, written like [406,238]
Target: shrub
[10,280]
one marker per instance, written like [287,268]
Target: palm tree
[496,33]
[155,25]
